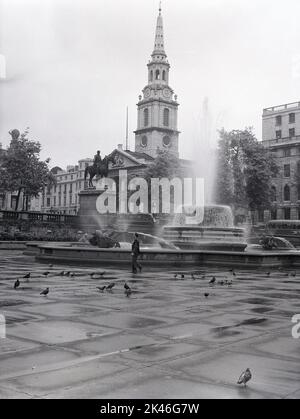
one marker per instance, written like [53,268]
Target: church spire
[159,35]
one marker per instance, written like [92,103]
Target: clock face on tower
[147,93]
[167,92]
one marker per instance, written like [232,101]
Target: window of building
[287,152]
[261,217]
[144,141]
[65,188]
[59,200]
[278,134]
[273,194]
[54,201]
[287,170]
[166,117]
[286,193]
[151,75]
[287,213]
[164,75]
[274,214]
[278,120]
[146,117]
[166,141]
[292,132]
[157,75]
[48,202]
[65,200]
[292,118]
[71,188]
[298,192]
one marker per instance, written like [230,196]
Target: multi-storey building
[281,135]
[63,197]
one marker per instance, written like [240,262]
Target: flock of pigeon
[245,376]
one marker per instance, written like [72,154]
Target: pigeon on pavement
[27,276]
[16,284]
[212,281]
[101,288]
[45,292]
[245,377]
[110,286]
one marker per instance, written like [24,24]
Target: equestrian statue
[99,167]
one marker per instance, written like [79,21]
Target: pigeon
[293,274]
[182,276]
[110,286]
[17,284]
[175,276]
[101,288]
[128,292]
[213,281]
[221,283]
[27,276]
[62,273]
[46,273]
[126,286]
[68,273]
[233,273]
[245,377]
[45,292]
[72,274]
[229,283]
[206,295]
[50,266]
[268,273]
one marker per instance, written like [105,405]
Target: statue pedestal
[89,218]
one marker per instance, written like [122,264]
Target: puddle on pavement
[248,322]
[260,301]
[226,331]
[11,303]
[261,310]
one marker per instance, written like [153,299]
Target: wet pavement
[166,340]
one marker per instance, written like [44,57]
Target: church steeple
[159,35]
[157,108]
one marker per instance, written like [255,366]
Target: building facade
[281,135]
[62,198]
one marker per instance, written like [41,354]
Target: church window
[144,141]
[166,141]
[146,117]
[157,75]
[166,117]
[164,75]
[287,193]
[273,194]
[151,75]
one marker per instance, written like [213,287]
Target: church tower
[157,107]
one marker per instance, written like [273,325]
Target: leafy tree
[166,165]
[22,170]
[244,171]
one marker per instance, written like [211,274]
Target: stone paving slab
[164,341]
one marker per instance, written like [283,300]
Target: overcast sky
[72,67]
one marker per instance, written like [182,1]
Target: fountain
[208,228]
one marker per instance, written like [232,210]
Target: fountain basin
[167,258]
[206,238]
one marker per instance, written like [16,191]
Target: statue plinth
[89,218]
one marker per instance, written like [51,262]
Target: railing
[281,108]
[37,216]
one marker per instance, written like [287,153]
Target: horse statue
[100,170]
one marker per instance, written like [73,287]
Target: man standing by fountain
[135,252]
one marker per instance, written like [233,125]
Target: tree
[21,169]
[165,165]
[244,171]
